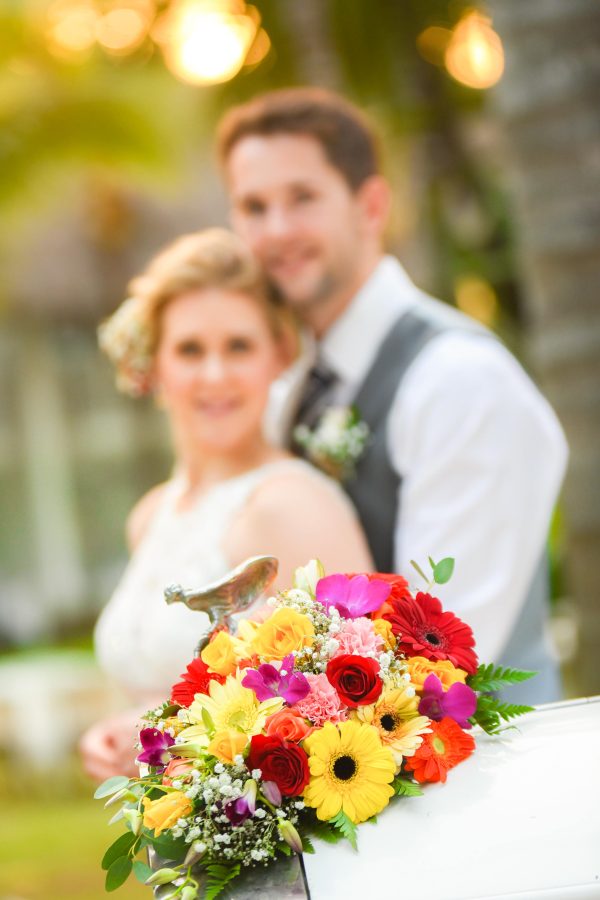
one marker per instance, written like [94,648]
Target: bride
[201,332]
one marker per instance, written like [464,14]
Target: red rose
[355,678]
[196,680]
[279,761]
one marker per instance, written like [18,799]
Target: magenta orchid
[155,744]
[237,811]
[268,682]
[352,596]
[459,702]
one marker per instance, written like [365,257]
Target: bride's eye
[189,348]
[240,345]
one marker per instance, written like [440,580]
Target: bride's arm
[296,517]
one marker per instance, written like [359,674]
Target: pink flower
[358,638]
[322,704]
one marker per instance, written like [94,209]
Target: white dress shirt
[479,451]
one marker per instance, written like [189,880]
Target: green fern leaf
[491,712]
[404,787]
[322,830]
[494,678]
[307,844]
[218,877]
[346,826]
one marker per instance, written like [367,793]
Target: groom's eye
[303,196]
[253,207]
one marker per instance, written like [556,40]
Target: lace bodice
[142,643]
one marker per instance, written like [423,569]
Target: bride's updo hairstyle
[214,258]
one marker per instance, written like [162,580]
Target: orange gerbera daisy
[444,748]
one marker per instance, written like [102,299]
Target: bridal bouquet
[350,693]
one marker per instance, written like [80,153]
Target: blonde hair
[211,258]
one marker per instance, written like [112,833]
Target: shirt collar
[351,344]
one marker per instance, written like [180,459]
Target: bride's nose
[214,368]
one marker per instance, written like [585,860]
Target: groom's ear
[375,197]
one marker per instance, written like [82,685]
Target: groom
[465,456]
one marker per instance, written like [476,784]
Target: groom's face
[300,217]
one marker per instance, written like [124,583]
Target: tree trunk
[549,102]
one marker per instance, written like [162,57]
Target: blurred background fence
[489,119]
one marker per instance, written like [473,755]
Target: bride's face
[215,361]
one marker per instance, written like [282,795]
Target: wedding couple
[464,456]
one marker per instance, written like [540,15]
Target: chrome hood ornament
[234,593]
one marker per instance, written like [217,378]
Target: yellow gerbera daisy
[396,718]
[350,771]
[230,706]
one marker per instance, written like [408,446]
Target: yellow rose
[220,655]
[419,668]
[164,812]
[285,631]
[226,745]
[383,628]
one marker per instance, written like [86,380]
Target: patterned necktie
[319,382]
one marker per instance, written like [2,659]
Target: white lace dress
[141,642]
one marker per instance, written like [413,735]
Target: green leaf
[442,571]
[494,678]
[218,877]
[208,722]
[307,844]
[404,787]
[168,847]
[111,786]
[118,873]
[416,566]
[141,871]
[491,712]
[120,847]
[346,826]
[323,831]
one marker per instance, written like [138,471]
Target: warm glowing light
[477,298]
[474,55]
[206,42]
[122,29]
[72,27]
[432,44]
[259,49]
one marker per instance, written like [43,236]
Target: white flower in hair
[125,337]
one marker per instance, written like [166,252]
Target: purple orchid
[155,745]
[268,682]
[237,811]
[352,596]
[459,702]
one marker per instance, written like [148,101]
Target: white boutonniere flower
[336,443]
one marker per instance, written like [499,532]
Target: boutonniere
[337,441]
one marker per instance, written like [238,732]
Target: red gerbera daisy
[196,680]
[441,750]
[424,629]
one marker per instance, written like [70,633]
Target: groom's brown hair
[347,138]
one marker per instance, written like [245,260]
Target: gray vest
[374,491]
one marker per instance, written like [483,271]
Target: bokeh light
[206,41]
[432,44]
[124,28]
[477,298]
[71,29]
[474,55]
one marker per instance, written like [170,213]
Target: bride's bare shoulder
[142,514]
[297,514]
